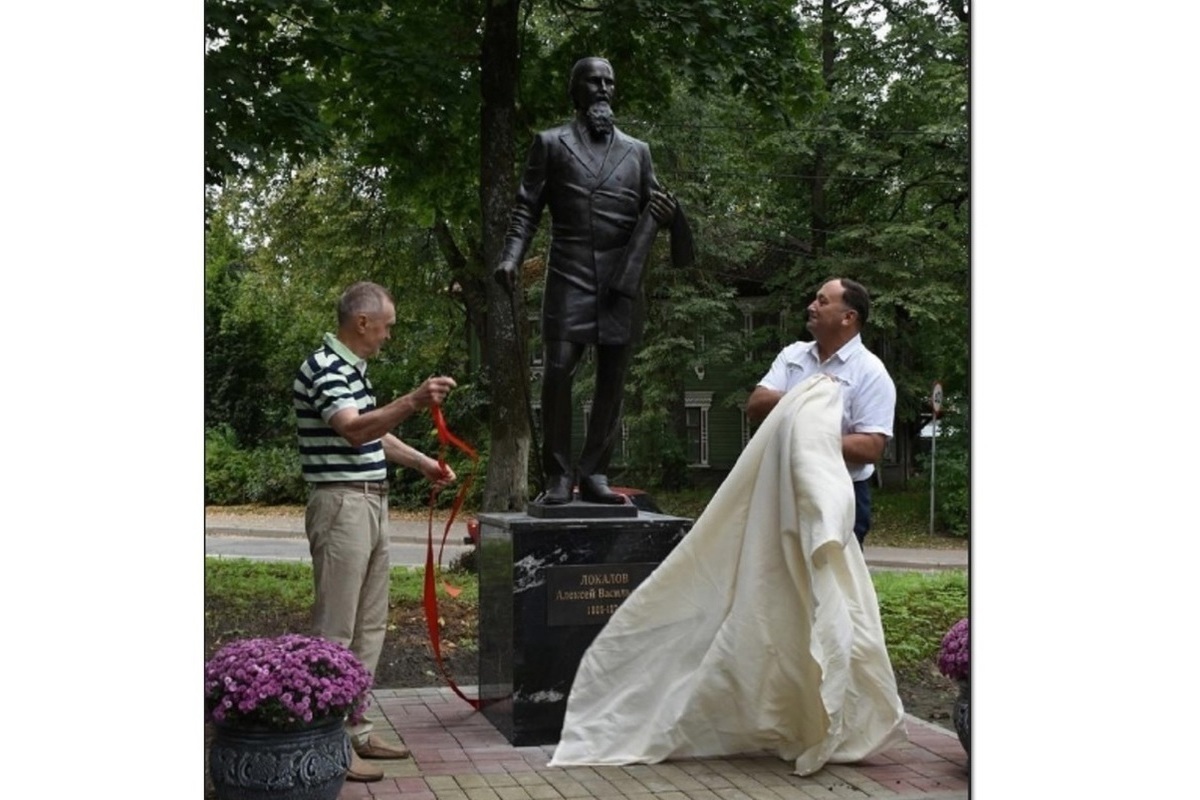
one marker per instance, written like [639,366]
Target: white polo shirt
[868,393]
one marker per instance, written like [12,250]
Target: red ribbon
[445,439]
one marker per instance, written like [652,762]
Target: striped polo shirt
[329,380]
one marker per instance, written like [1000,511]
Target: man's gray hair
[363,297]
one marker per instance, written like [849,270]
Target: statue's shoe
[594,489]
[558,491]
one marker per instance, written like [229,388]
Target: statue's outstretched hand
[506,275]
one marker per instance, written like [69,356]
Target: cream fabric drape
[760,631]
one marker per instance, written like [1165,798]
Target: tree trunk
[506,487]
[819,223]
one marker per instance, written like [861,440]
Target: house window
[763,332]
[697,405]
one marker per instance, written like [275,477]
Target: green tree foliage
[314,230]
[280,250]
[263,93]
[236,350]
[420,87]
[880,188]
[804,141]
[870,182]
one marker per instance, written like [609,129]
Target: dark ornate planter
[962,714]
[308,764]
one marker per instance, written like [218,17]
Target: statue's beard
[600,118]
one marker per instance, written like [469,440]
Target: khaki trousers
[347,538]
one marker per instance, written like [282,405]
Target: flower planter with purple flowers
[279,708]
[954,661]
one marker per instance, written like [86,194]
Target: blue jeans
[862,509]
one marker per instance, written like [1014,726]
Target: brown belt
[371,487]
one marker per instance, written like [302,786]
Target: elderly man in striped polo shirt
[345,440]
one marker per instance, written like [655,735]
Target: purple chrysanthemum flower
[277,683]
[954,658]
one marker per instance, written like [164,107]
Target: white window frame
[702,401]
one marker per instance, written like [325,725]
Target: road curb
[279,533]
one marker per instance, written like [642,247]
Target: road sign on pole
[935,400]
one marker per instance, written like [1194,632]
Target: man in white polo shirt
[836,319]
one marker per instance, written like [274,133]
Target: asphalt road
[281,538]
[263,548]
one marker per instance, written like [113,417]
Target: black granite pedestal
[546,588]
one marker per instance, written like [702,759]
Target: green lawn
[917,608]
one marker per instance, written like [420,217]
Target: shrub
[224,466]
[270,474]
[266,474]
[466,562]
[952,492]
[655,456]
[952,495]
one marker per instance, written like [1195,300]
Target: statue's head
[592,88]
[591,80]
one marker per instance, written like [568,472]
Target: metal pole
[932,472]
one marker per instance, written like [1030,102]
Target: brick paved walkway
[458,755]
